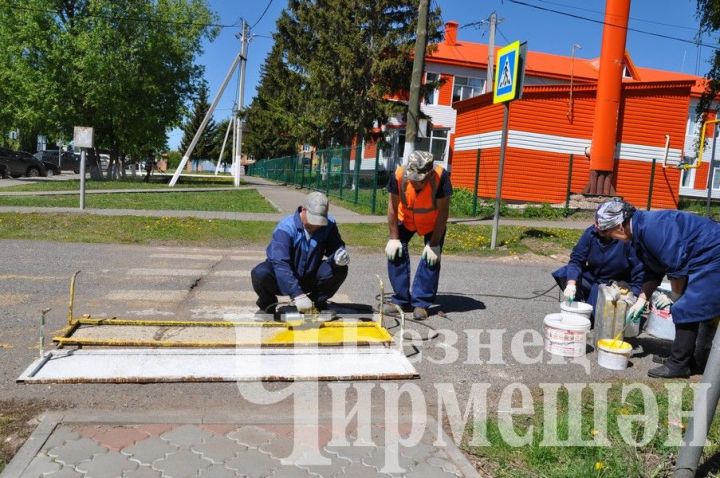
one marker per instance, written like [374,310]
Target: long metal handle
[72,297]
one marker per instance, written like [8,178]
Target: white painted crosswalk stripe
[167,272]
[228,296]
[148,295]
[241,273]
[195,257]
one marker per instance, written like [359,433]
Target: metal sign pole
[82,178]
[501,166]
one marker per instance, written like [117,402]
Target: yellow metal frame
[309,332]
[701,149]
[324,334]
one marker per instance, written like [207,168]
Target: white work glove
[431,254]
[342,258]
[636,311]
[663,301]
[303,303]
[569,292]
[393,249]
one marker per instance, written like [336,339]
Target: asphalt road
[480,297]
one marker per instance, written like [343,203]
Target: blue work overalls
[596,261]
[295,264]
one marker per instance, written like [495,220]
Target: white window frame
[435,94]
[690,175]
[480,89]
[716,179]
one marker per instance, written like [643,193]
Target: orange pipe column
[609,91]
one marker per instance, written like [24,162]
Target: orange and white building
[554,119]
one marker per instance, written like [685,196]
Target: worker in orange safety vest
[419,204]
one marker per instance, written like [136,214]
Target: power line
[262,14]
[601,22]
[12,6]
[502,34]
[631,18]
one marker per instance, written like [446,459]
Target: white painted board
[148,365]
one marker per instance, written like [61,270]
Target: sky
[545,31]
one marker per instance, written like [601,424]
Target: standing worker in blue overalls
[684,246]
[306,260]
[598,259]
[419,204]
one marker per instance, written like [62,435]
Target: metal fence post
[569,185]
[375,178]
[477,180]
[652,182]
[358,160]
[328,172]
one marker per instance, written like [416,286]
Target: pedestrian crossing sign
[506,73]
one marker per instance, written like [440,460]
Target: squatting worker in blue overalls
[419,204]
[598,259]
[306,259]
[686,247]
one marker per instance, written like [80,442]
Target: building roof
[547,65]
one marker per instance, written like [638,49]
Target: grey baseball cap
[419,165]
[612,213]
[316,206]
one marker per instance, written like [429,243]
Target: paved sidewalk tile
[233,450]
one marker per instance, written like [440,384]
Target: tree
[206,147]
[273,116]
[126,68]
[347,60]
[708,11]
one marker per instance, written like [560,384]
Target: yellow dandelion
[599,465]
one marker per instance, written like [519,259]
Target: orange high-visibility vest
[418,211]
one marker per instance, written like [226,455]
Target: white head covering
[612,213]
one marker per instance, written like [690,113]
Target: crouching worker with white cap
[419,204]
[306,259]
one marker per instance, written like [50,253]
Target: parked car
[69,161]
[20,163]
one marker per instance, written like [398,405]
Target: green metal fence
[332,171]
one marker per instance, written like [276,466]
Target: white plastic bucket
[613,354]
[566,334]
[578,308]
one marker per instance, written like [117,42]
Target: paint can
[613,354]
[566,334]
[576,308]
[660,323]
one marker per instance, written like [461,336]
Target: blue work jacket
[602,261]
[294,257]
[682,244]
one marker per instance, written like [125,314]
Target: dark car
[20,163]
[69,161]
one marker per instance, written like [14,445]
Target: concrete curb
[79,416]
[32,446]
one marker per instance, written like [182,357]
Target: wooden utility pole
[411,124]
[491,51]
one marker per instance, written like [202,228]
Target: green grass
[461,206]
[245,200]
[157,182]
[460,239]
[620,459]
[700,207]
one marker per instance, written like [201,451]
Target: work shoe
[661,359]
[391,309]
[664,372]
[261,315]
[420,313]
